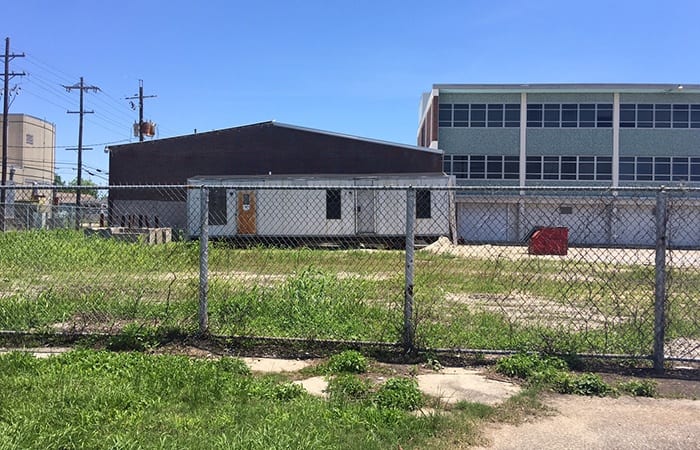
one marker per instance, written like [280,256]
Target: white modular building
[333,207]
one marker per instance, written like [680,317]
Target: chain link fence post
[203,260]
[660,281]
[408,325]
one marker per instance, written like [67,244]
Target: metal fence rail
[566,270]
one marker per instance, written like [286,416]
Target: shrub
[639,388]
[400,393]
[348,387]
[349,361]
[531,367]
[233,365]
[287,391]
[586,384]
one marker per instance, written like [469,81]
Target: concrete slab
[452,385]
[271,365]
[315,386]
[38,352]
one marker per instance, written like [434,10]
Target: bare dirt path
[605,423]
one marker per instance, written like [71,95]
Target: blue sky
[355,67]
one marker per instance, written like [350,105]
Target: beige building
[31,149]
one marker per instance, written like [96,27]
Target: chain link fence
[566,270]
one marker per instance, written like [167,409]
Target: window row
[659,168]
[568,168]
[480,167]
[645,115]
[334,205]
[570,115]
[479,115]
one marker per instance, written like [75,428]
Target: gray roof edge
[294,127]
[357,138]
[573,87]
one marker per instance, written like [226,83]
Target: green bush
[587,384]
[639,388]
[399,393]
[531,367]
[348,387]
[349,361]
[233,365]
[288,391]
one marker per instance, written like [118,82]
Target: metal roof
[640,88]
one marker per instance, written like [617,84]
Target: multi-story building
[31,149]
[523,135]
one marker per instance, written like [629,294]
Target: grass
[63,281]
[88,399]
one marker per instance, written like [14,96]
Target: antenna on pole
[144,128]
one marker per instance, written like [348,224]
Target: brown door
[246,212]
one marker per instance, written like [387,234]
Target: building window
[511,167]
[604,115]
[552,116]
[627,168]
[534,116]
[494,167]
[586,115]
[681,116]
[512,115]
[477,167]
[422,204]
[645,115]
[662,116]
[628,115]
[569,115]
[445,115]
[694,116]
[333,204]
[533,168]
[29,139]
[603,168]
[679,169]
[460,115]
[495,116]
[477,117]
[568,168]
[460,166]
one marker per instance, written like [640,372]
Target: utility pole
[5,125]
[81,86]
[140,98]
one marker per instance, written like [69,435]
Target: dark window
[533,168]
[569,115]
[460,115]
[551,168]
[604,115]
[662,116]
[568,167]
[586,115]
[460,166]
[645,168]
[333,204]
[477,167]
[511,167]
[645,115]
[29,139]
[603,168]
[534,116]
[495,116]
[494,167]
[681,116]
[551,116]
[422,204]
[627,168]
[694,169]
[478,115]
[662,169]
[512,115]
[217,206]
[447,164]
[586,167]
[694,116]
[627,115]
[680,169]
[445,115]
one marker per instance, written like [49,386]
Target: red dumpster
[549,241]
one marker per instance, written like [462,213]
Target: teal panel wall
[480,141]
[569,141]
[659,142]
[479,98]
[569,98]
